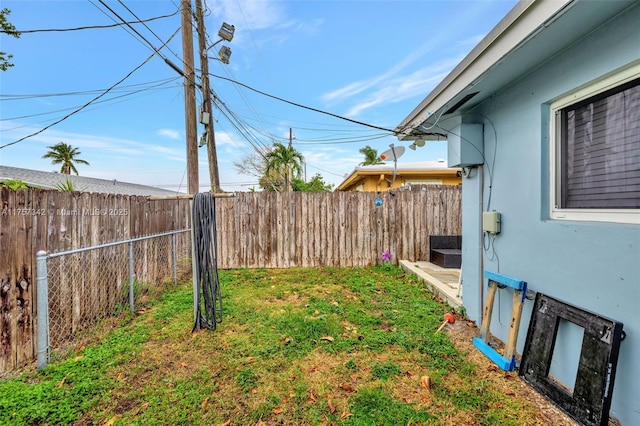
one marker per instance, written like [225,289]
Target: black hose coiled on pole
[208,311]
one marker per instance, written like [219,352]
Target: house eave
[523,22]
[529,35]
[360,173]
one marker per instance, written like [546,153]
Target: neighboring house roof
[50,180]
[530,34]
[422,168]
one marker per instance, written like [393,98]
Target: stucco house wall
[593,265]
[543,51]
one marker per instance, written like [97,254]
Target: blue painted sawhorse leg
[506,361]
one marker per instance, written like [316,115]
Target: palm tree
[66,155]
[285,160]
[370,156]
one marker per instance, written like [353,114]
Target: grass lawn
[295,347]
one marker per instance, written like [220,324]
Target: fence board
[7,280]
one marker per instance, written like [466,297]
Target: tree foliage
[274,180]
[6,28]
[251,164]
[65,155]
[286,161]
[370,156]
[316,184]
[14,184]
[66,186]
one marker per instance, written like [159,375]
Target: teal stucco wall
[592,265]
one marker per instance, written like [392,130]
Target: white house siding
[593,265]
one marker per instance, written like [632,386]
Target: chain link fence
[77,288]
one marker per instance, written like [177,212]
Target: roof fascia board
[349,181]
[525,20]
[409,171]
[358,175]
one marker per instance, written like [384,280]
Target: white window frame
[599,215]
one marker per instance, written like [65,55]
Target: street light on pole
[206,116]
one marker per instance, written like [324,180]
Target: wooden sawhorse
[508,359]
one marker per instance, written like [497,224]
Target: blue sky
[370,61]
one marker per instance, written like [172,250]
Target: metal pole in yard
[131,276]
[175,267]
[42,304]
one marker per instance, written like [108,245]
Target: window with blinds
[600,150]
[595,150]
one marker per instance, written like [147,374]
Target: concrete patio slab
[444,282]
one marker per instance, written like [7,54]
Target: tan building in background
[380,177]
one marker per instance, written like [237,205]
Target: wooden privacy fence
[342,229]
[254,230]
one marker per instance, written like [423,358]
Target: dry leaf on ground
[426,382]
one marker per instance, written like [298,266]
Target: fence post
[131,276]
[42,304]
[173,251]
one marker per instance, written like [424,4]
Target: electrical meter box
[491,222]
[465,145]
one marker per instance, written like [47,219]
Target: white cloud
[226,139]
[85,142]
[168,133]
[418,83]
[248,15]
[471,42]
[257,14]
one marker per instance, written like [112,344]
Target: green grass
[63,391]
[295,347]
[376,407]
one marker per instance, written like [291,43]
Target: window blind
[600,151]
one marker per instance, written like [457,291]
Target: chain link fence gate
[76,288]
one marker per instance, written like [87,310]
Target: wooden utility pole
[190,98]
[206,102]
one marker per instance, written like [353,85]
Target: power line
[338,142]
[122,22]
[329,140]
[304,106]
[239,126]
[149,44]
[17,97]
[92,27]
[325,171]
[157,51]
[132,29]
[147,27]
[373,126]
[154,88]
[91,101]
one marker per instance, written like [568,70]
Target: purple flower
[386,256]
